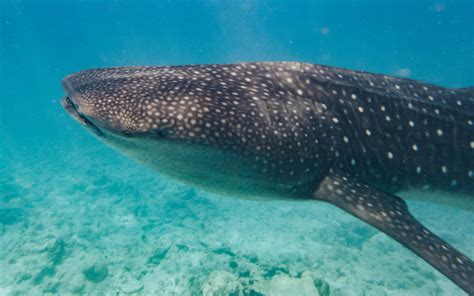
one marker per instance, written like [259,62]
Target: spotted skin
[403,134]
[293,130]
[390,214]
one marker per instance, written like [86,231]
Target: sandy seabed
[89,221]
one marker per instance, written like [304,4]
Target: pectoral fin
[390,214]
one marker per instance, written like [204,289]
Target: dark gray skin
[294,130]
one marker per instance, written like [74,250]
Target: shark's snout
[91,101]
[133,102]
[72,109]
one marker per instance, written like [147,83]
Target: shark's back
[398,133]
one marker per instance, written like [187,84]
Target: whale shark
[290,130]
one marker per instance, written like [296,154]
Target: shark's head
[221,128]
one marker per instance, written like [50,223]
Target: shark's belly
[215,171]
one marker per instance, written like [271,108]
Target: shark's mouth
[71,108]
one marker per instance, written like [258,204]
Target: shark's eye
[127,134]
[160,133]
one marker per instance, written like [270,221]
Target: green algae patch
[323,287]
[225,251]
[158,256]
[96,274]
[10,216]
[57,252]
[24,277]
[47,271]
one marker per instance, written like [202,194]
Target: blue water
[77,217]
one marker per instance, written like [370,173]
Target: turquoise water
[77,217]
